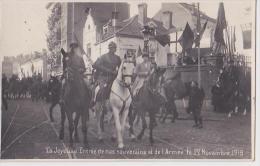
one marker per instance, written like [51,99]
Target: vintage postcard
[128,80]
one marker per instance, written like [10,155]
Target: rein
[123,100]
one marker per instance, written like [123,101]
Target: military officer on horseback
[106,68]
[142,71]
[77,67]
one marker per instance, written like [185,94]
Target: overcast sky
[24,24]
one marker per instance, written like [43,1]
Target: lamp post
[148,33]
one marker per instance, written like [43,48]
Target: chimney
[167,19]
[114,18]
[142,13]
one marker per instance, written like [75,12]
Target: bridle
[123,84]
[124,76]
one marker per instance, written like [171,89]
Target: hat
[74,45]
[111,44]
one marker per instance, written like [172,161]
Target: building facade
[7,66]
[127,34]
[177,15]
[34,66]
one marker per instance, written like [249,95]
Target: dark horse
[173,89]
[77,99]
[148,100]
[54,88]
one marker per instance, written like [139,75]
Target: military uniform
[196,98]
[106,71]
[74,67]
[142,71]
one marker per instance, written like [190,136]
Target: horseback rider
[142,71]
[73,65]
[106,68]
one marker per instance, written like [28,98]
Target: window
[89,49]
[247,39]
[105,29]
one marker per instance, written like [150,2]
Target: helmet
[73,46]
[111,44]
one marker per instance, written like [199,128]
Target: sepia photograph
[128,80]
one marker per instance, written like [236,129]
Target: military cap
[111,44]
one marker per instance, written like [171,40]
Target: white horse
[119,102]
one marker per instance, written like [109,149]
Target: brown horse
[77,99]
[172,88]
[148,100]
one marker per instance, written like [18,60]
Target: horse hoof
[76,139]
[133,137]
[100,140]
[61,136]
[86,146]
[71,146]
[113,139]
[139,137]
[121,146]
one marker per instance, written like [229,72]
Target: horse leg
[144,126]
[174,112]
[151,126]
[118,128]
[71,127]
[131,117]
[98,111]
[63,118]
[112,121]
[76,122]
[51,110]
[165,114]
[84,117]
[123,120]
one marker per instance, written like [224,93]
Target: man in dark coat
[196,98]
[4,91]
[217,96]
[54,89]
[106,68]
[74,67]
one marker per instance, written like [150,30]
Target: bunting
[187,38]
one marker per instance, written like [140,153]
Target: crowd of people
[32,87]
[232,91]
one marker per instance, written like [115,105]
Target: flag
[198,38]
[221,24]
[32,68]
[187,38]
[234,39]
[163,39]
[139,52]
[198,19]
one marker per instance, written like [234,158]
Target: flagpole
[198,33]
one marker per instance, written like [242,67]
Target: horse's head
[127,70]
[66,63]
[154,80]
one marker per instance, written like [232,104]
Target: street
[27,133]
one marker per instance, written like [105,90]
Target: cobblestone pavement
[27,133]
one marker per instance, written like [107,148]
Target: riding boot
[196,121]
[200,123]
[62,93]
